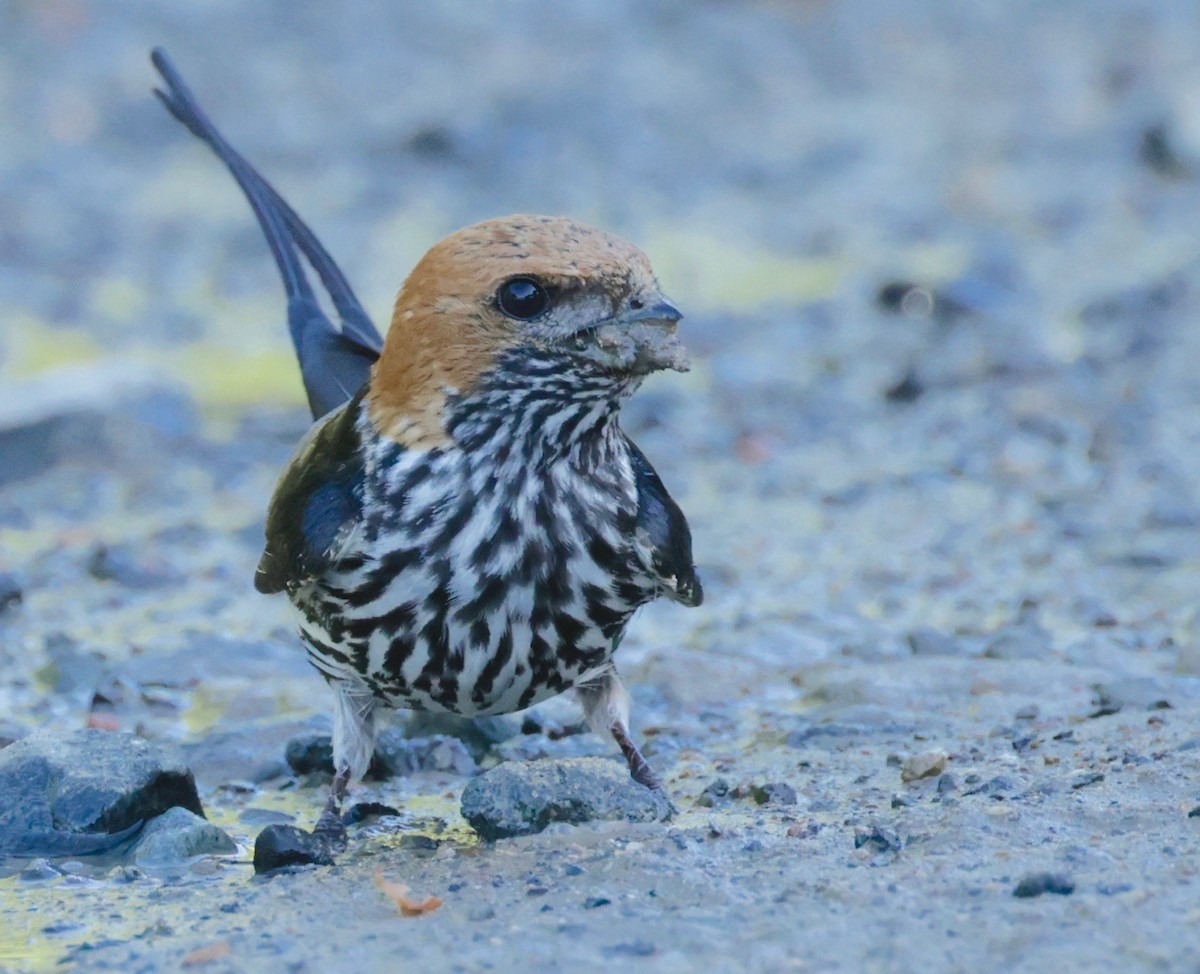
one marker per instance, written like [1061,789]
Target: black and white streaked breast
[494,573]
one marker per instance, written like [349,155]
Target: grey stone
[119,563]
[10,592]
[836,734]
[479,734]
[35,445]
[251,751]
[176,836]
[78,793]
[926,764]
[522,799]
[947,784]
[717,791]
[282,846]
[11,731]
[1020,642]
[310,752]
[1083,778]
[71,668]
[398,757]
[876,838]
[929,642]
[1136,693]
[1035,884]
[39,870]
[535,747]
[773,793]
[997,787]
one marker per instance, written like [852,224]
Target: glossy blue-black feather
[318,500]
[662,527]
[335,360]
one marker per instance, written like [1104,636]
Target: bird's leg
[353,745]
[639,767]
[606,706]
[330,827]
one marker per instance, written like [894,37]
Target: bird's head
[542,284]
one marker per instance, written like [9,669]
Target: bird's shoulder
[317,502]
[662,532]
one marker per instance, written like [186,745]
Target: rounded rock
[523,799]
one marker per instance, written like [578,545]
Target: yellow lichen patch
[206,709]
[434,816]
[931,263]
[445,810]
[90,910]
[118,298]
[33,346]
[224,375]
[705,272]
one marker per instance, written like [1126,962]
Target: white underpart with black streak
[493,573]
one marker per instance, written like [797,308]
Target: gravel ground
[939,452]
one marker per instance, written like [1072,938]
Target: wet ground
[938,449]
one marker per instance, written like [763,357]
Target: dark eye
[522,298]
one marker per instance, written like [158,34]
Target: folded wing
[663,534]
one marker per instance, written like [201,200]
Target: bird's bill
[642,341]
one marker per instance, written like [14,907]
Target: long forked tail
[334,362]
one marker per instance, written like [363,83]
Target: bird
[466,528]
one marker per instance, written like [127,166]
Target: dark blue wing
[334,361]
[317,503]
[663,531]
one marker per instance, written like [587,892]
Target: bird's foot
[330,830]
[641,771]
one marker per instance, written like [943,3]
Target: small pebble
[639,948]
[927,764]
[39,869]
[714,793]
[10,592]
[362,811]
[1018,643]
[930,642]
[908,389]
[118,563]
[1035,884]
[995,787]
[280,846]
[421,846]
[774,793]
[522,799]
[309,753]
[875,838]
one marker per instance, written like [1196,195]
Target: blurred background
[782,159]
[939,264]
[941,271]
